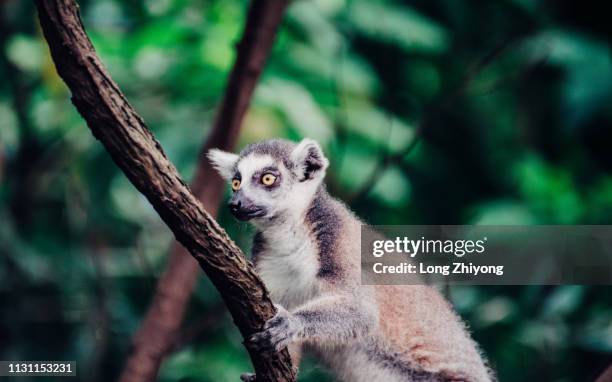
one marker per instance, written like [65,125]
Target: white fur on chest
[289,265]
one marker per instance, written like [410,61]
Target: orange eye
[268,179]
[235,184]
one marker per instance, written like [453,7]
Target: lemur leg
[332,319]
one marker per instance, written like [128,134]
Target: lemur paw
[277,333]
[248,377]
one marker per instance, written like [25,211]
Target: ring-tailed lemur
[307,251]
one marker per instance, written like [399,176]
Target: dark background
[431,112]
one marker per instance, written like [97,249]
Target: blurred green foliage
[488,112]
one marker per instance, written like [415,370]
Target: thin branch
[159,328]
[131,145]
[434,110]
[387,161]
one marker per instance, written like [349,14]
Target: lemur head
[272,179]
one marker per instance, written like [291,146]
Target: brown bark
[125,136]
[606,376]
[158,330]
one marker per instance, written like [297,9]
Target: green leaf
[402,26]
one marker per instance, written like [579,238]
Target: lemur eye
[268,179]
[235,184]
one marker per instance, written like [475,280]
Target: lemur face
[271,180]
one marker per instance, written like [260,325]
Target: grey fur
[389,359]
[279,149]
[307,253]
[324,223]
[259,245]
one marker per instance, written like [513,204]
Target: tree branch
[160,327]
[125,136]
[432,111]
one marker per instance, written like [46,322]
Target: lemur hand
[278,332]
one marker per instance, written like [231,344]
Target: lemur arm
[332,318]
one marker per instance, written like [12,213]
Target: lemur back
[307,251]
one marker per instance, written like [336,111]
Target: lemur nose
[235,205]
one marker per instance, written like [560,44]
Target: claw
[277,333]
[248,377]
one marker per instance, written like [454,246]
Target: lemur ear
[223,162]
[309,160]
